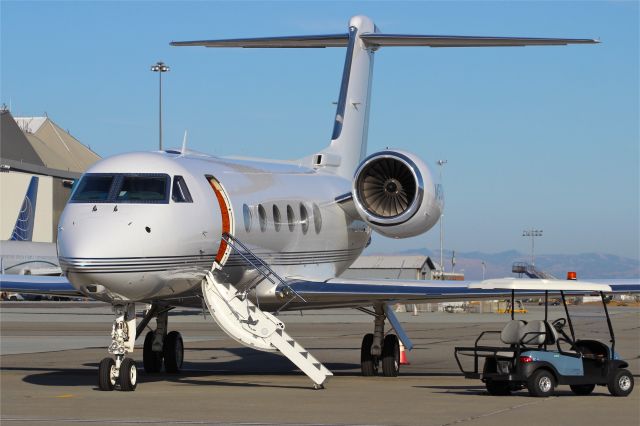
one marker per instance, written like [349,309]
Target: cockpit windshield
[122,188]
[142,188]
[93,188]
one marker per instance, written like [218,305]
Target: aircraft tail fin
[349,138]
[23,230]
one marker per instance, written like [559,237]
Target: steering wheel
[559,327]
[559,324]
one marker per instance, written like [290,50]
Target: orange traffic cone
[403,355]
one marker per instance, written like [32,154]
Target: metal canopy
[539,284]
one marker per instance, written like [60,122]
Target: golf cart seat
[512,332]
[510,335]
[537,333]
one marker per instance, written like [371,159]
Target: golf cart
[538,355]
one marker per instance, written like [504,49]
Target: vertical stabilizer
[23,231]
[349,139]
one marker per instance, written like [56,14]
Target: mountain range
[498,265]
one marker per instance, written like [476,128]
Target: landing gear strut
[162,348]
[121,371]
[159,348]
[152,354]
[377,347]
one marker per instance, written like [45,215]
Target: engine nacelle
[394,193]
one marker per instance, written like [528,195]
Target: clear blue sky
[544,137]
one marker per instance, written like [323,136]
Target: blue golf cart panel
[564,364]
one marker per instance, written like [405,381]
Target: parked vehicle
[539,355]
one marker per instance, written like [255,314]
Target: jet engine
[393,192]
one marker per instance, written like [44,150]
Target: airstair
[246,323]
[530,271]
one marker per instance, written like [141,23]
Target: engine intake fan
[388,188]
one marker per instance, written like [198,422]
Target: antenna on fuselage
[184,144]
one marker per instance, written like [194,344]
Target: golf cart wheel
[541,383]
[582,389]
[498,388]
[621,383]
[368,362]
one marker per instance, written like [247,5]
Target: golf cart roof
[539,285]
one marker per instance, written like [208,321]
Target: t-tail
[23,231]
[348,145]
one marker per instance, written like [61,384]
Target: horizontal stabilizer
[380,40]
[329,40]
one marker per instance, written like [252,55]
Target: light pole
[441,163]
[160,68]
[484,268]
[533,233]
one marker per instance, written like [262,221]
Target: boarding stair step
[246,323]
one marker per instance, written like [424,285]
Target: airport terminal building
[37,146]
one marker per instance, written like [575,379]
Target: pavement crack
[493,413]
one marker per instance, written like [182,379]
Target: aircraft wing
[32,284]
[366,292]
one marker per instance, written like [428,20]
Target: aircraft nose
[134,252]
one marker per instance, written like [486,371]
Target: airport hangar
[37,146]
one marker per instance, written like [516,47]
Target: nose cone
[133,251]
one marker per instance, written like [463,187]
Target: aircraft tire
[128,377]
[106,380]
[173,352]
[368,362]
[151,360]
[391,356]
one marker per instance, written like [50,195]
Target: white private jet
[250,238]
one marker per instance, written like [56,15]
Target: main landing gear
[160,348]
[379,349]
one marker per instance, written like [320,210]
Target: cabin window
[262,215]
[246,213]
[142,189]
[317,218]
[291,218]
[180,193]
[304,219]
[277,221]
[93,188]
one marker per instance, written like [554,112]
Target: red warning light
[572,276]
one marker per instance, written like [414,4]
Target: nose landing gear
[120,372]
[159,348]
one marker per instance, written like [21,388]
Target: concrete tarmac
[50,351]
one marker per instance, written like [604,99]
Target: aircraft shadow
[246,362]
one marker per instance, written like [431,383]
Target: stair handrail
[259,263]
